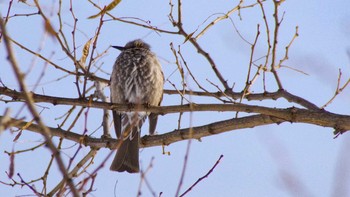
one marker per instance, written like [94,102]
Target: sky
[289,159]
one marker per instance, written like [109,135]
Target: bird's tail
[127,158]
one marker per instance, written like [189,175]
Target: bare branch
[162,110]
[203,177]
[30,103]
[340,123]
[338,90]
[74,171]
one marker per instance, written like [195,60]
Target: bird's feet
[106,136]
[146,105]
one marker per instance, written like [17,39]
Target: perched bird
[137,79]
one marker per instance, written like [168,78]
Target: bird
[137,79]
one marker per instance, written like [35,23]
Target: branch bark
[15,95]
[340,123]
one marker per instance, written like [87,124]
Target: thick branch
[340,123]
[156,140]
[260,96]
[317,117]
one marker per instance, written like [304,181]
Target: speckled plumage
[137,78]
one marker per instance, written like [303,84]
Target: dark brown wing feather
[117,123]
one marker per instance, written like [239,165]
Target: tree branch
[44,131]
[260,96]
[340,123]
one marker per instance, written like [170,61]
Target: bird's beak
[119,48]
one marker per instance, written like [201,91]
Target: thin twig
[30,103]
[338,89]
[274,45]
[184,167]
[249,83]
[75,170]
[203,177]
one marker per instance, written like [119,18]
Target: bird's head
[133,44]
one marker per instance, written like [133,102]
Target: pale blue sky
[254,159]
